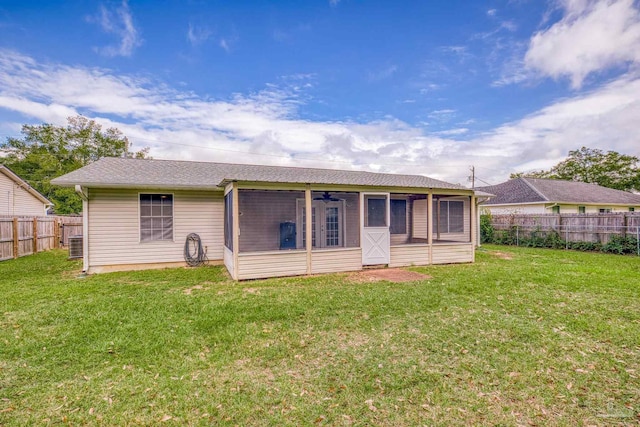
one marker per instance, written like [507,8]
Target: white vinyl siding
[335,260]
[449,254]
[259,265]
[114,235]
[402,256]
[16,201]
[228,260]
[420,225]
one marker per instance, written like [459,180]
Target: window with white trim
[156,217]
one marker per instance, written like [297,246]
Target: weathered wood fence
[20,236]
[597,227]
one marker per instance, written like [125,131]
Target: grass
[521,337]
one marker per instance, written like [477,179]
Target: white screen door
[376,239]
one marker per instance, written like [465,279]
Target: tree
[608,169]
[46,151]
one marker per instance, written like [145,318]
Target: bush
[586,246]
[621,245]
[487,233]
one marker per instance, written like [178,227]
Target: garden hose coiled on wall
[194,253]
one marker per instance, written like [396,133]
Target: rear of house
[18,198]
[267,221]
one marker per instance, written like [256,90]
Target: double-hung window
[156,217]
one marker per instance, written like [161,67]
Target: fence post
[35,235]
[638,237]
[517,235]
[566,238]
[55,233]
[16,238]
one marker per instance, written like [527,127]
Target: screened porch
[304,231]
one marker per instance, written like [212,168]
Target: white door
[327,224]
[375,236]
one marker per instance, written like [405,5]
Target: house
[17,198]
[267,221]
[539,196]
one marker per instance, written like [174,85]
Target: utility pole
[472,178]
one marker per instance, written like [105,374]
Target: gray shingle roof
[119,172]
[531,190]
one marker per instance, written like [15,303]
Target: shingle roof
[119,172]
[24,184]
[531,190]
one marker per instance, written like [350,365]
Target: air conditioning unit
[75,247]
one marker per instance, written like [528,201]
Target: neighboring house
[17,198]
[540,196]
[257,219]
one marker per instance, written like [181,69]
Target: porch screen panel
[268,220]
[454,220]
[398,216]
[335,220]
[456,216]
[376,210]
[228,220]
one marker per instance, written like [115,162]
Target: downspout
[84,195]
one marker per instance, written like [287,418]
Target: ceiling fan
[326,197]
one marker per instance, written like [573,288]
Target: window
[581,209]
[450,218]
[632,209]
[398,216]
[604,210]
[555,209]
[156,217]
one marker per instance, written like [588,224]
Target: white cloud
[118,22]
[265,127]
[383,74]
[492,12]
[452,132]
[592,36]
[197,34]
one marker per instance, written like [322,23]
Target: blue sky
[419,87]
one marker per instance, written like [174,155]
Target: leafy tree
[608,169]
[46,151]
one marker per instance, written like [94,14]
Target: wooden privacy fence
[596,228]
[20,236]
[69,226]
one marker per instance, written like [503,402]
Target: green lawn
[521,337]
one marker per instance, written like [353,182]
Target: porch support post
[430,226]
[308,225]
[473,220]
[236,229]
